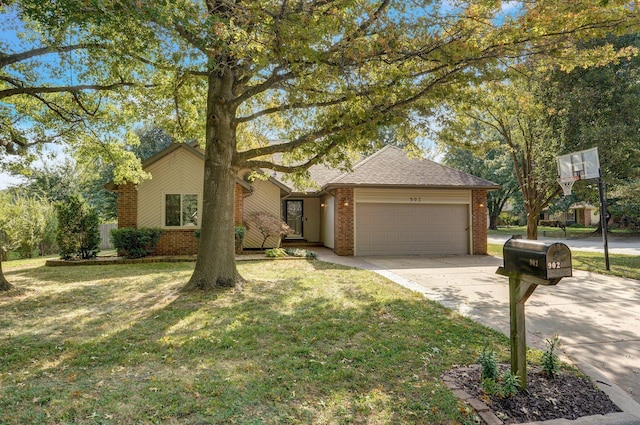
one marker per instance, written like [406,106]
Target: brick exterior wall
[172,242]
[237,205]
[127,206]
[479,221]
[177,242]
[344,222]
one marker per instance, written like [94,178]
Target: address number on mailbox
[539,259]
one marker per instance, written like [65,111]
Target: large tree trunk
[215,264]
[4,284]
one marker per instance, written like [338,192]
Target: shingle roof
[392,167]
[389,167]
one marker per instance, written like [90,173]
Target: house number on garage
[415,199]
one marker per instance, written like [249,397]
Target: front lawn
[305,342]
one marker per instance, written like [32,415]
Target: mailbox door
[559,261]
[526,262]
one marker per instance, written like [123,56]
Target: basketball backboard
[582,165]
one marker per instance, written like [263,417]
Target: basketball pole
[603,220]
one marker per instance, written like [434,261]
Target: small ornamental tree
[78,232]
[268,225]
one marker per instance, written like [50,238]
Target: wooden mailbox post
[529,264]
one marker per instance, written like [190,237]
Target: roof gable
[171,148]
[191,148]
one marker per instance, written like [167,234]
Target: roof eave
[331,186]
[171,148]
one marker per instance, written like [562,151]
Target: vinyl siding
[413,196]
[327,218]
[180,172]
[265,198]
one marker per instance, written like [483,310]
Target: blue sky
[7,180]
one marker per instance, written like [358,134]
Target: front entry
[293,217]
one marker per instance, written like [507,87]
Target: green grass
[553,232]
[620,265]
[304,342]
[556,232]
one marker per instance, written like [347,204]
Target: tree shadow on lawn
[312,347]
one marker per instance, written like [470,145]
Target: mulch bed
[566,397]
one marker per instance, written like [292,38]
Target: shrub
[551,223]
[26,222]
[275,253]
[78,232]
[508,219]
[488,361]
[550,361]
[492,383]
[299,252]
[510,384]
[135,243]
[239,232]
[490,387]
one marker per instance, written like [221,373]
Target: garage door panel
[411,229]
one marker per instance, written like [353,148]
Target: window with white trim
[180,210]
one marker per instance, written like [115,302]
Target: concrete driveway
[596,317]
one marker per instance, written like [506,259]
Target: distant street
[617,244]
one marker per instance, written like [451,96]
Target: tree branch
[288,107]
[20,88]
[376,115]
[257,164]
[9,59]
[274,78]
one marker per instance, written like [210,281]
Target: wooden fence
[105,240]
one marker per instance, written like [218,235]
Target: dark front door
[293,211]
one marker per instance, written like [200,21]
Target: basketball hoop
[566,183]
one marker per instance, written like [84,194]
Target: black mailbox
[539,259]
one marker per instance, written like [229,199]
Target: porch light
[481,205]
[346,204]
[322,205]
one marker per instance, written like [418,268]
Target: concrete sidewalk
[596,317]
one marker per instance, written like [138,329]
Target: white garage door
[411,229]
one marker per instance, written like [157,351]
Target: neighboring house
[388,204]
[581,213]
